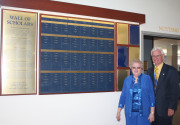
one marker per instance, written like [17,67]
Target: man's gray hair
[157,48]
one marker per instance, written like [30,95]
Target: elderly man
[166,80]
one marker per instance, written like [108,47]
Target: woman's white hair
[137,61]
[157,48]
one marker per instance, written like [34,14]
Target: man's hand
[170,112]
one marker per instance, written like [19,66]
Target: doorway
[171,48]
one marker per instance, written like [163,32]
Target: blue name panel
[76,55]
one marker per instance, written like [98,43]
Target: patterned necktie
[156,71]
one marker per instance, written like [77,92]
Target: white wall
[158,12]
[66,109]
[87,108]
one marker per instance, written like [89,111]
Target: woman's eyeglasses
[136,67]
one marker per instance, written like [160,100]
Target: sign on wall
[18,57]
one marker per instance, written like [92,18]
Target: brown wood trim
[115,59]
[123,67]
[70,8]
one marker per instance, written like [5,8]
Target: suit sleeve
[174,86]
[149,71]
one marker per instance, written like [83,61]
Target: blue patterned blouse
[136,97]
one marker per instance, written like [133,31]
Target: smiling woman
[136,67]
[137,96]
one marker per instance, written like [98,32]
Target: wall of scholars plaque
[76,55]
[18,57]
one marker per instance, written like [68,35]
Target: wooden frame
[63,7]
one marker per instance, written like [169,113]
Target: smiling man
[166,80]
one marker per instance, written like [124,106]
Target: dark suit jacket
[166,92]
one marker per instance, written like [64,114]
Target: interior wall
[66,109]
[86,108]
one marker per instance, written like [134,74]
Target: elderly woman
[137,96]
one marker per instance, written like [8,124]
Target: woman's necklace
[136,80]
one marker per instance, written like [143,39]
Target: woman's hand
[151,117]
[118,116]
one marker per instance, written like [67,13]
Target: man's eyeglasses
[156,56]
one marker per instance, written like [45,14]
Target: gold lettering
[168,29]
[161,28]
